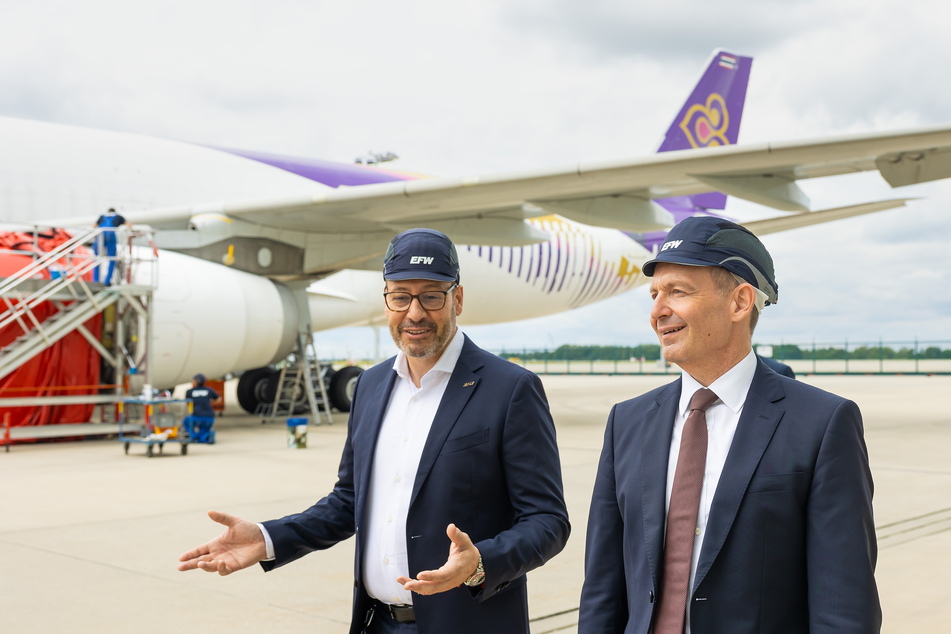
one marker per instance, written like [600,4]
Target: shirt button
[386,560]
[698,530]
[397,479]
[389,518]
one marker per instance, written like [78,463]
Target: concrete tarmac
[90,536]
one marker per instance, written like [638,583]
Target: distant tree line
[585,353]
[787,351]
[793,352]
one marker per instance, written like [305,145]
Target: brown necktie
[682,516]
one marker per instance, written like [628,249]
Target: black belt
[399,613]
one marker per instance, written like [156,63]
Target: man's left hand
[462,563]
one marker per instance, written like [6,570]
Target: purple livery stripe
[326,172]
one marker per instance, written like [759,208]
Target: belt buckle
[401,613]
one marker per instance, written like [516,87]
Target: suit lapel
[377,395]
[761,414]
[654,457]
[462,385]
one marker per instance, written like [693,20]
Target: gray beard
[435,347]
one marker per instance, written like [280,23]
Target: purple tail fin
[711,116]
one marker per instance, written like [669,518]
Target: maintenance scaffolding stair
[300,381]
[59,277]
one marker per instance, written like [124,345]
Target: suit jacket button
[651,597]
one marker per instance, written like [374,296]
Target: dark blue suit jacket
[790,543]
[490,465]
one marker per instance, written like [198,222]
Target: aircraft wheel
[342,384]
[256,387]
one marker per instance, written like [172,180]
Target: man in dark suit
[778,367]
[782,537]
[450,476]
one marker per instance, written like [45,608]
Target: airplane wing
[616,194]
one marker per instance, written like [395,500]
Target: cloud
[496,86]
[677,32]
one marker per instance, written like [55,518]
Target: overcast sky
[499,85]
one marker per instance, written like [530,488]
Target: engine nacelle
[211,319]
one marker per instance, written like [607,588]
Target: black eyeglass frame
[445,294]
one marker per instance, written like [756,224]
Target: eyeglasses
[400,301]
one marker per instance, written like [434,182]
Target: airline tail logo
[421,259]
[705,125]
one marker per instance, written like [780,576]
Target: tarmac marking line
[893,544]
[914,528]
[551,616]
[555,622]
[914,519]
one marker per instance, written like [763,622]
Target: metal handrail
[27,304]
[17,306]
[74,274]
[43,262]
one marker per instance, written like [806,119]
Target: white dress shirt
[722,418]
[406,424]
[403,433]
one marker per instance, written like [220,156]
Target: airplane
[253,245]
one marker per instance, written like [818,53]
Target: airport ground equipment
[61,276]
[300,386]
[157,427]
[51,293]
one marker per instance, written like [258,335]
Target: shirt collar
[732,387]
[446,363]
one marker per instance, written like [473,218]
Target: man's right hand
[240,546]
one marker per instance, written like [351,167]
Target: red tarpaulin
[68,367]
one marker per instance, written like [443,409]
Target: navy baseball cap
[421,254]
[709,241]
[199,379]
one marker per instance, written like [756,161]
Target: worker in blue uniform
[202,417]
[106,242]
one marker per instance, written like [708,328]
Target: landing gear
[342,384]
[256,387]
[297,395]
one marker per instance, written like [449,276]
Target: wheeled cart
[157,429]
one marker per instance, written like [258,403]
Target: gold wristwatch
[478,577]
